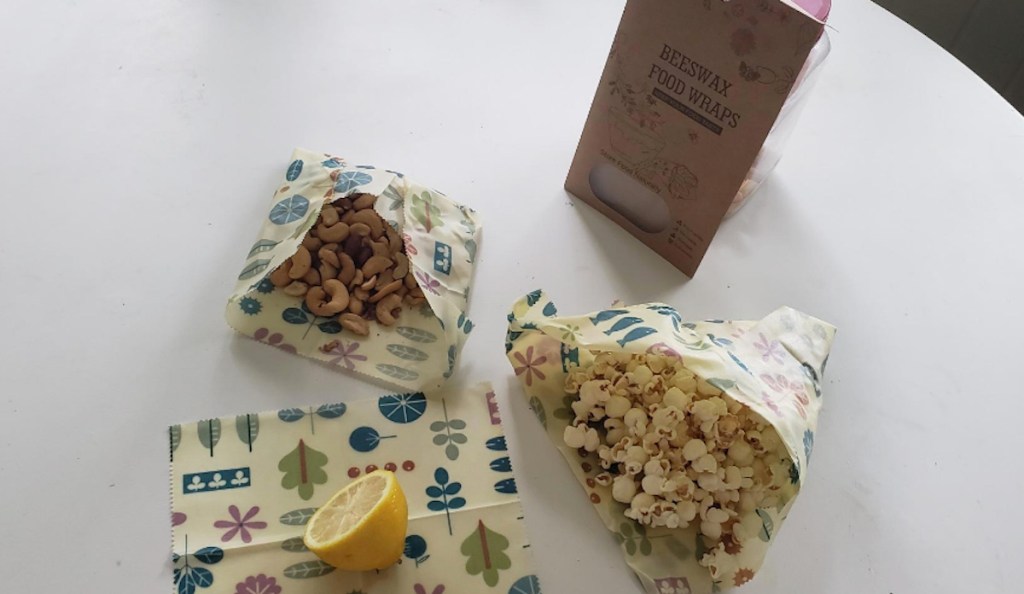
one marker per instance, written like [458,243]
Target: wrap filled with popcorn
[440,238]
[772,368]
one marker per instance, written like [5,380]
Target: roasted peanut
[280,276]
[388,309]
[354,324]
[363,201]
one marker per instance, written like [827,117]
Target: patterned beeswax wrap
[441,239]
[243,488]
[774,366]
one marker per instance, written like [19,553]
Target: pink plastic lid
[818,9]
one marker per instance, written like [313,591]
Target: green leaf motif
[399,373]
[247,427]
[407,352]
[721,384]
[485,552]
[424,211]
[294,315]
[297,517]
[416,335]
[307,569]
[253,268]
[678,549]
[303,468]
[767,525]
[263,245]
[209,433]
[538,411]
[294,545]
[471,250]
[175,435]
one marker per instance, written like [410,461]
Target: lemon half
[362,527]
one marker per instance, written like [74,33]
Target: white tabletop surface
[140,143]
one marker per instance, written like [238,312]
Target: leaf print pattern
[303,469]
[808,444]
[415,548]
[209,433]
[366,439]
[307,570]
[445,434]
[633,538]
[239,524]
[402,408]
[528,584]
[248,428]
[297,517]
[485,552]
[189,577]
[294,170]
[771,350]
[443,495]
[425,212]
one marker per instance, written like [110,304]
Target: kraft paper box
[689,93]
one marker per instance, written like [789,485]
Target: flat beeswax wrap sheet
[774,366]
[441,239]
[243,488]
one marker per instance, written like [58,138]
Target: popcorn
[674,448]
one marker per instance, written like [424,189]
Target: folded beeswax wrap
[243,488]
[441,239]
[774,366]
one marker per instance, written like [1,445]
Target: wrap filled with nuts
[361,268]
[690,438]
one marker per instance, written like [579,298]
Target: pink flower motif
[346,354]
[258,584]
[178,518]
[428,283]
[409,247]
[240,524]
[769,349]
[419,589]
[529,366]
[743,42]
[274,340]
[770,403]
[663,349]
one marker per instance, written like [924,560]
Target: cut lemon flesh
[362,527]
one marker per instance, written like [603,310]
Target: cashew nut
[359,229]
[361,294]
[312,277]
[376,264]
[280,276]
[301,262]
[357,278]
[363,201]
[327,271]
[410,281]
[316,298]
[329,256]
[355,306]
[369,284]
[380,248]
[333,234]
[354,324]
[385,290]
[401,266]
[388,309]
[348,268]
[296,289]
[312,243]
[371,219]
[330,215]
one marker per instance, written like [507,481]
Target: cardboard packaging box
[688,95]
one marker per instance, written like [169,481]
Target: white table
[141,141]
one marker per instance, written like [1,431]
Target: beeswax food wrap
[243,488]
[773,366]
[440,237]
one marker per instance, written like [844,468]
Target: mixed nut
[674,448]
[352,264]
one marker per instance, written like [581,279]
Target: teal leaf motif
[331,411]
[407,353]
[349,180]
[721,384]
[290,415]
[398,373]
[294,170]
[329,327]
[294,315]
[533,297]
[297,517]
[247,427]
[175,435]
[209,433]
[416,335]
[263,245]
[767,525]
[210,555]
[307,569]
[253,268]
[294,545]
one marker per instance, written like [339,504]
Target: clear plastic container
[771,152]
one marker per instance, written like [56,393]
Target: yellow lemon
[362,527]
